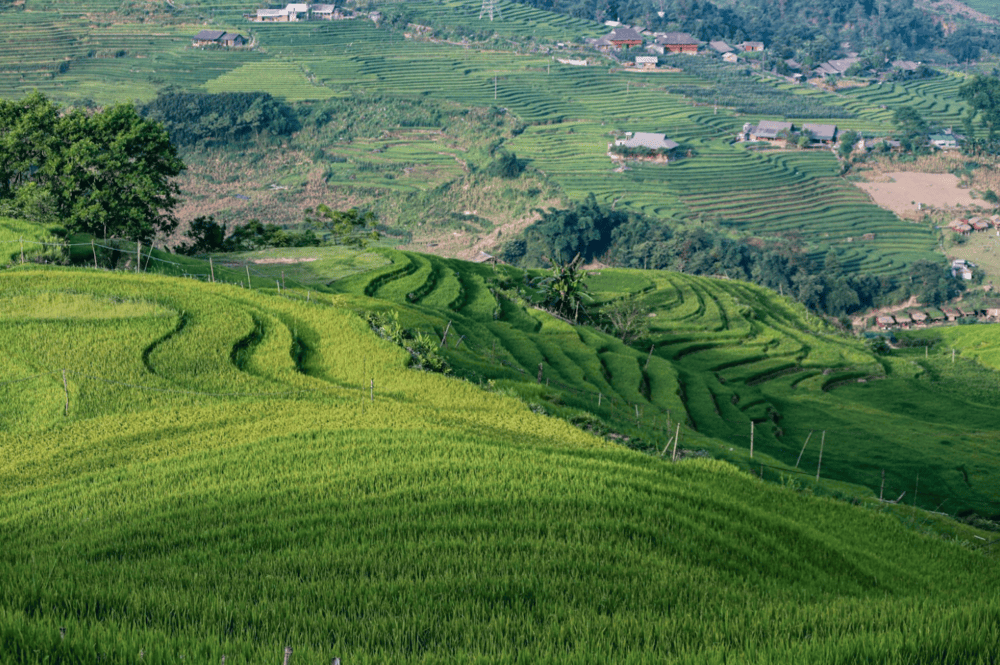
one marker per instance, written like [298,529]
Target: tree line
[630,240]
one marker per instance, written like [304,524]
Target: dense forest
[812,30]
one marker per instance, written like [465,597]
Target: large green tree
[982,94]
[110,173]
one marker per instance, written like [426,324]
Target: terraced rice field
[225,482]
[725,354]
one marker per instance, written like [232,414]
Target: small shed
[322,12]
[720,46]
[951,313]
[646,61]
[207,37]
[943,141]
[752,46]
[918,317]
[885,321]
[730,57]
[647,140]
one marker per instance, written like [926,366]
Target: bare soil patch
[904,192]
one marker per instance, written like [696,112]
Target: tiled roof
[677,39]
[769,129]
[624,34]
[720,46]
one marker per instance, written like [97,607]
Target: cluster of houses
[305,12]
[623,38]
[965,226]
[915,318]
[774,131]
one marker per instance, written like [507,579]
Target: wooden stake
[650,356]
[138,255]
[66,390]
[22,250]
[279,286]
[881,490]
[211,267]
[925,351]
[249,285]
[288,655]
[444,338]
[953,356]
[372,387]
[751,439]
[539,372]
[94,250]
[803,449]
[819,463]
[677,435]
[283,279]
[599,396]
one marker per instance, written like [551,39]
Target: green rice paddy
[226,482]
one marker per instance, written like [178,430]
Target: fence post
[94,250]
[881,490]
[138,255]
[677,435]
[751,439]
[444,338]
[539,372]
[288,655]
[822,441]
[211,267]
[249,285]
[652,347]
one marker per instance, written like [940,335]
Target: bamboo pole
[22,250]
[249,285]
[94,250]
[211,267]
[677,435]
[444,338]
[751,439]
[822,441]
[650,356]
[138,255]
[803,449]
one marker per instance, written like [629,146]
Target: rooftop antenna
[489,7]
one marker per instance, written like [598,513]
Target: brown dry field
[906,190]
[900,186]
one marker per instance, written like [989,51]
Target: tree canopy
[224,117]
[110,173]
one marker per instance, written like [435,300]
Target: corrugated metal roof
[648,140]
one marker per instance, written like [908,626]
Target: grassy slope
[223,485]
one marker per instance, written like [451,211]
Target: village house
[943,141]
[962,268]
[624,37]
[918,317]
[903,319]
[720,47]
[951,313]
[271,16]
[835,67]
[678,42]
[768,130]
[885,321]
[322,12]
[646,145]
[218,38]
[961,226]
[730,58]
[820,133]
[752,46]
[646,61]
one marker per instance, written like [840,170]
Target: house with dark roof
[820,133]
[218,38]
[835,67]
[322,12]
[752,46]
[207,37]
[624,37]
[769,130]
[720,46]
[678,42]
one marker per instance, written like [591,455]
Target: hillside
[386,123]
[227,481]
